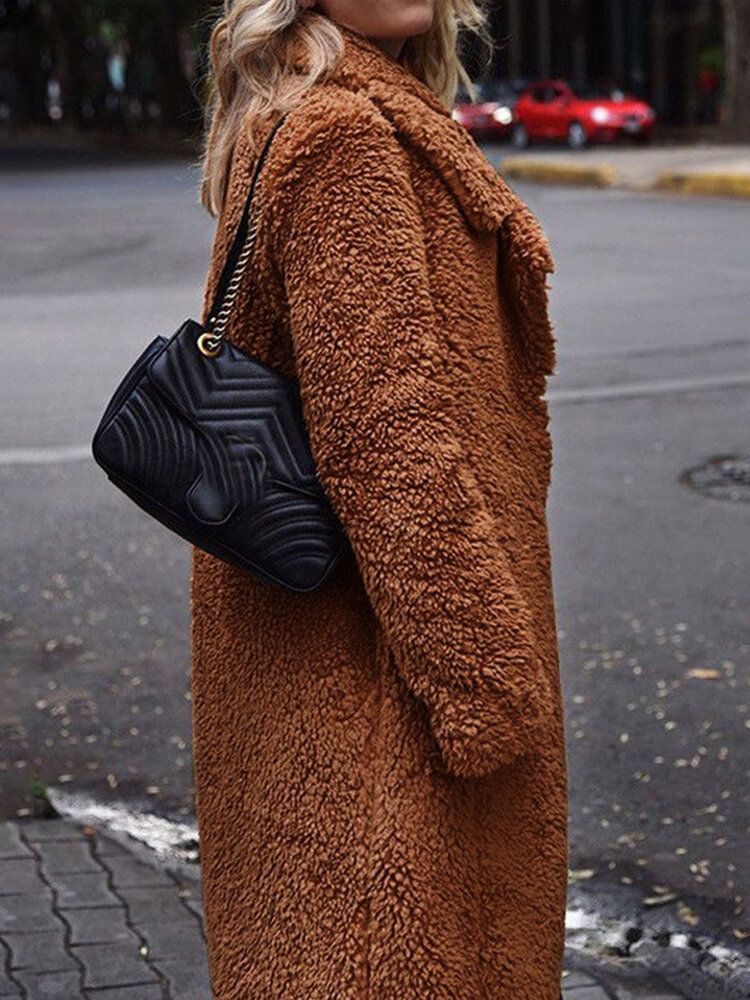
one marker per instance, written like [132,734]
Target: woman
[380,763]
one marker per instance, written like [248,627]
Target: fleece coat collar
[421,118]
[423,122]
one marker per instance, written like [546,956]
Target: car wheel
[519,137]
[577,136]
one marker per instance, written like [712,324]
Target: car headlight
[456,115]
[503,115]
[600,115]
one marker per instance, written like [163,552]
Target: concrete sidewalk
[697,169]
[85,917]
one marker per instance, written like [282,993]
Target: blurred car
[551,110]
[491,116]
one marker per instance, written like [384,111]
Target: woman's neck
[391,46]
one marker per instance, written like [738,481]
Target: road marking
[634,390]
[52,455]
[61,454]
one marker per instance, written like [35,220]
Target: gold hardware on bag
[209,345]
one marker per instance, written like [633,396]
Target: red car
[551,110]
[491,115]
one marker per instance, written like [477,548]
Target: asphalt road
[650,302]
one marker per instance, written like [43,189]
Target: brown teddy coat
[380,763]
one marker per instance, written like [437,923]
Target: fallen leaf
[580,874]
[668,897]
[686,915]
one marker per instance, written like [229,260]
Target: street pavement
[84,917]
[650,306]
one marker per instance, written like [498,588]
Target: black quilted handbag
[213,444]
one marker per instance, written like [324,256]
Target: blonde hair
[253,47]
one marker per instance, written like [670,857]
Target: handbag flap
[238,401]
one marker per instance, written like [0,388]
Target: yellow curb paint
[558,173]
[733,185]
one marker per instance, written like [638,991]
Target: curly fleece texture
[380,764]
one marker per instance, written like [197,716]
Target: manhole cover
[726,477]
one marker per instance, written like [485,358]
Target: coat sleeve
[349,241]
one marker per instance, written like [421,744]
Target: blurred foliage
[97,63]
[129,65]
[712,59]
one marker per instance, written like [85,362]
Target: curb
[607,938]
[559,173]
[610,935]
[732,185]
[602,176]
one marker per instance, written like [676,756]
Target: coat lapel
[424,122]
[488,204]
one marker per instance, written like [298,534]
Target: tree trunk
[178,104]
[515,38]
[67,35]
[617,43]
[544,39]
[578,49]
[658,55]
[736,104]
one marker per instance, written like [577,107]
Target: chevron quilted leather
[216,449]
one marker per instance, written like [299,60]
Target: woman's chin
[411,20]
[418,24]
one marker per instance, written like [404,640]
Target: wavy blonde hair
[252,75]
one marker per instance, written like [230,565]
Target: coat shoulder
[331,108]
[333,128]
